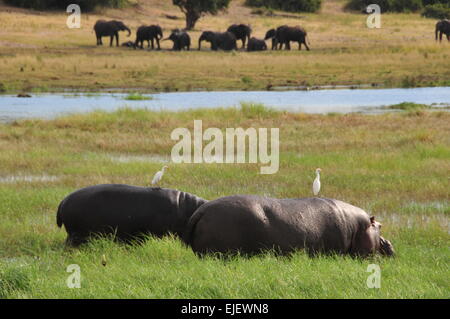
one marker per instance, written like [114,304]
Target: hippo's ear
[372,220]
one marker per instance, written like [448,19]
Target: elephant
[181,40]
[128,44]
[225,41]
[255,44]
[110,29]
[149,34]
[125,212]
[285,34]
[249,224]
[241,32]
[443,27]
[271,34]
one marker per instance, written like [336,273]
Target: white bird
[158,176]
[316,184]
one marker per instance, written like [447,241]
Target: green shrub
[86,5]
[428,2]
[401,5]
[287,5]
[437,11]
[387,5]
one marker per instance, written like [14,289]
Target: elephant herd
[246,224]
[226,41]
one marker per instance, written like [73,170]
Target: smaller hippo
[124,211]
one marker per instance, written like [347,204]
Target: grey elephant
[285,34]
[255,44]
[128,44]
[110,29]
[150,34]
[224,41]
[125,212]
[442,27]
[250,225]
[241,32]
[271,34]
[181,40]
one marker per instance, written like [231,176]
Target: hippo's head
[383,246]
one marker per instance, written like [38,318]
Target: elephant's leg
[117,39]
[243,43]
[287,45]
[111,41]
[306,46]
[153,43]
[158,44]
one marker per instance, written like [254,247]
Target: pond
[370,101]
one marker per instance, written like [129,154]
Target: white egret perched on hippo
[316,183]
[158,176]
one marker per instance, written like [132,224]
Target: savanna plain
[395,165]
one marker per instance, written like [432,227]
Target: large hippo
[125,211]
[251,224]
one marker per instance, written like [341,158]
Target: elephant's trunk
[129,31]
[200,44]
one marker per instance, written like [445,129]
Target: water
[47,106]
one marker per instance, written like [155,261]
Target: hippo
[126,212]
[249,225]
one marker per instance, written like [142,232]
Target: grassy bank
[395,166]
[39,53]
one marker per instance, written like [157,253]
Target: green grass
[409,106]
[395,166]
[137,97]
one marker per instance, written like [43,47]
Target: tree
[194,9]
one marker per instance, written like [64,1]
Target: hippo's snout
[386,247]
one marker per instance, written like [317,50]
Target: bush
[400,5]
[428,2]
[387,5]
[86,5]
[287,5]
[437,11]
